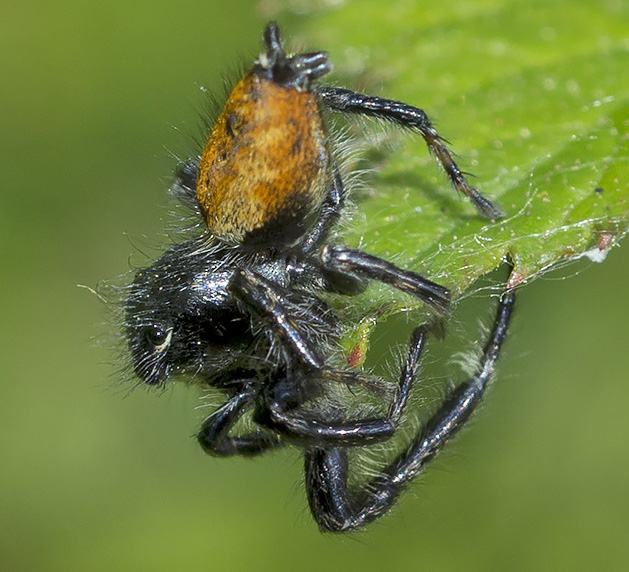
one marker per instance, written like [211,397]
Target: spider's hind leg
[331,209]
[415,119]
[184,185]
[362,266]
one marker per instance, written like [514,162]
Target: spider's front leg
[281,408]
[278,307]
[308,431]
[413,118]
[214,436]
[337,509]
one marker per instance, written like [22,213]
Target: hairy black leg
[337,509]
[184,185]
[363,265]
[307,430]
[214,435]
[413,118]
[331,209]
[270,300]
[329,216]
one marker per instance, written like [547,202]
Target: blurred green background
[95,478]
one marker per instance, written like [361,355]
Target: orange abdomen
[265,168]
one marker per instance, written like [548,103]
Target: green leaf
[534,99]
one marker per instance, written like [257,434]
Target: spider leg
[362,265]
[281,410]
[184,185]
[214,435]
[309,431]
[271,301]
[337,509]
[330,213]
[409,117]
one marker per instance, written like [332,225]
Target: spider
[241,307]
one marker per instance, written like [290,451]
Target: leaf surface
[534,100]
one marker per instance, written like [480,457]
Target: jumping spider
[240,307]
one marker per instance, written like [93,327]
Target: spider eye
[158,337]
